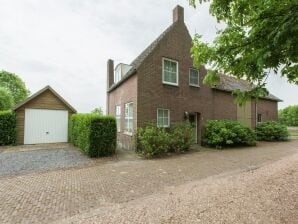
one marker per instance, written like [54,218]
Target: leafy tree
[289,115]
[6,99]
[260,36]
[97,110]
[15,85]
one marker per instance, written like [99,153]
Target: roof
[229,83]
[33,96]
[136,63]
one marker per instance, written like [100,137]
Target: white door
[45,126]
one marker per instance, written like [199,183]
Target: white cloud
[66,43]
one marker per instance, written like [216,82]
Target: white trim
[177,72]
[118,116]
[128,117]
[194,85]
[169,118]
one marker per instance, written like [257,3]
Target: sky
[66,43]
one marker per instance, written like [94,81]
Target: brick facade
[147,91]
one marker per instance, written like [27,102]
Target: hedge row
[95,135]
[223,133]
[7,128]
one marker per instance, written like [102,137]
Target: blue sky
[66,43]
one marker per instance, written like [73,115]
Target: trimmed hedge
[153,141]
[223,133]
[94,134]
[272,131]
[7,128]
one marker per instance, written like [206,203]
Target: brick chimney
[178,14]
[110,73]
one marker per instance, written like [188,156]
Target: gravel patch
[13,163]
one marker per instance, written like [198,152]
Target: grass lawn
[293,133]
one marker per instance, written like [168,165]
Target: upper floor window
[129,118]
[163,118]
[118,117]
[169,71]
[194,77]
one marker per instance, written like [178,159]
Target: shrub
[221,133]
[272,131]
[182,137]
[95,135]
[153,141]
[289,115]
[7,128]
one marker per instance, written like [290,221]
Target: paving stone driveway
[47,197]
[28,159]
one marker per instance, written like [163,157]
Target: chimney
[110,73]
[178,14]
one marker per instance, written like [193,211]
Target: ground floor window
[163,117]
[259,118]
[129,118]
[118,117]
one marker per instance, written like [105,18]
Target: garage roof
[40,92]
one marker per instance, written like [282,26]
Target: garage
[43,118]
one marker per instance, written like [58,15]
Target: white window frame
[118,117]
[177,72]
[189,72]
[169,120]
[128,118]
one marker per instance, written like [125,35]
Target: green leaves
[289,115]
[6,99]
[272,131]
[12,83]
[260,36]
[7,128]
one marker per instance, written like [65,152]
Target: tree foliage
[260,36]
[15,85]
[6,99]
[289,115]
[97,110]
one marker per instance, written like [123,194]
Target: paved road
[104,189]
[21,162]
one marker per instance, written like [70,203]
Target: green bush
[153,141]
[272,131]
[222,133]
[95,135]
[182,137]
[289,115]
[7,128]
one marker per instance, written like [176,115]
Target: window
[194,77]
[169,71]
[117,76]
[129,118]
[163,118]
[259,118]
[118,117]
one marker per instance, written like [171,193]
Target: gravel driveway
[13,162]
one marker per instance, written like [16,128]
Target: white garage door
[45,126]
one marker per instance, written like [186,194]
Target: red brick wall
[125,93]
[268,109]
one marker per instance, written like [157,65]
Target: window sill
[197,86]
[170,84]
[128,133]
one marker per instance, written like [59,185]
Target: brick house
[162,86]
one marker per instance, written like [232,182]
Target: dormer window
[170,72]
[194,77]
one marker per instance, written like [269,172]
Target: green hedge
[223,133]
[272,131]
[289,115]
[152,141]
[95,135]
[7,128]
